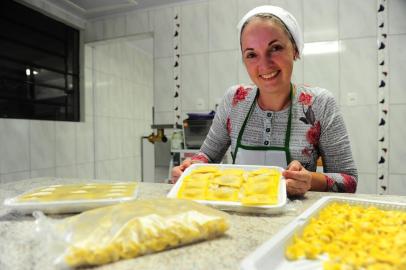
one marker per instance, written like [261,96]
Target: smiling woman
[276,122]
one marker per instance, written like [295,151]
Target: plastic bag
[128,230]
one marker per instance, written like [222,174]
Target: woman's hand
[178,170]
[298,179]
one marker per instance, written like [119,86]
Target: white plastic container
[271,255]
[236,206]
[67,206]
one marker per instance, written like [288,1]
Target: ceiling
[90,9]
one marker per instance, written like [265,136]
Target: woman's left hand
[298,179]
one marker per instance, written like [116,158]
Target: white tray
[66,206]
[271,255]
[236,206]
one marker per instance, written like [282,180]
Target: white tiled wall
[123,92]
[118,90]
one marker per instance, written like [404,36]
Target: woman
[277,122]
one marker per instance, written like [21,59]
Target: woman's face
[268,55]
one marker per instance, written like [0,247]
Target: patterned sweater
[317,129]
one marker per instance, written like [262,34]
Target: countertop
[21,248]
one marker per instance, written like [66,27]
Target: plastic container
[72,198]
[177,140]
[271,255]
[195,132]
[237,206]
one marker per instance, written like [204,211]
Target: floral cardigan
[317,130]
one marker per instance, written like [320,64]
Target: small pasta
[353,237]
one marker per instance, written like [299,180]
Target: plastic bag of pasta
[128,230]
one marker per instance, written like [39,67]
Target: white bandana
[284,16]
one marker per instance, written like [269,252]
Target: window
[39,65]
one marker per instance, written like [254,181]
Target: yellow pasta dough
[91,191]
[353,237]
[128,230]
[258,187]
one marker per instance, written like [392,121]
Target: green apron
[263,155]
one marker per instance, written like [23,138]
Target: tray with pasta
[338,233]
[239,188]
[72,198]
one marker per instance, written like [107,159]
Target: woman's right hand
[178,170]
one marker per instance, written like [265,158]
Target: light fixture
[323,47]
[34,72]
[28,72]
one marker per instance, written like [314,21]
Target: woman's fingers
[294,166]
[298,179]
[178,170]
[176,173]
[297,175]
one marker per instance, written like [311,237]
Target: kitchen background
[128,68]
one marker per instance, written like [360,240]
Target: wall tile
[65,143]
[102,86]
[316,11]
[114,27]
[137,22]
[13,177]
[149,103]
[88,95]
[84,142]
[115,138]
[357,18]
[15,147]
[358,70]
[129,168]
[139,108]
[397,184]
[223,73]
[164,117]
[100,59]
[42,144]
[94,30]
[244,6]
[163,84]
[195,82]
[363,144]
[163,31]
[128,138]
[396,16]
[397,60]
[397,135]
[115,90]
[66,171]
[116,173]
[88,56]
[222,25]
[47,172]
[85,170]
[366,183]
[103,169]
[138,130]
[322,70]
[298,71]
[194,33]
[102,138]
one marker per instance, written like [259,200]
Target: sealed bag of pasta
[128,230]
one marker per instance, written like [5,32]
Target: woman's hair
[274,19]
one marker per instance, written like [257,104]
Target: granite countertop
[21,248]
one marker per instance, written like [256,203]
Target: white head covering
[284,16]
